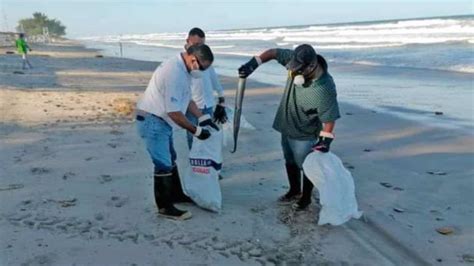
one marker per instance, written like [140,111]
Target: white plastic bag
[228,127]
[335,186]
[201,182]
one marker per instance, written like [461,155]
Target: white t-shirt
[203,88]
[169,90]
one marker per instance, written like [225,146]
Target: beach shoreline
[76,179]
[408,92]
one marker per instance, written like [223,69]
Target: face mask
[299,80]
[196,74]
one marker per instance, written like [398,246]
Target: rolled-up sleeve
[283,56]
[328,108]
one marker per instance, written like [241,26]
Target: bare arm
[329,126]
[246,69]
[192,107]
[325,137]
[268,55]
[180,119]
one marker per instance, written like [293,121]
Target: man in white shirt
[202,89]
[162,108]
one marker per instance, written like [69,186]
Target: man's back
[21,46]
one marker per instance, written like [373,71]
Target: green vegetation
[35,25]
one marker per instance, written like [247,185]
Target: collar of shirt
[182,65]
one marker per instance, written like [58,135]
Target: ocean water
[410,68]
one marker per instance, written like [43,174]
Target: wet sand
[76,185]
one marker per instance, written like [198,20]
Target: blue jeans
[194,121]
[158,137]
[295,151]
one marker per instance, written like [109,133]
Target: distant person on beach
[161,109]
[306,115]
[23,49]
[203,88]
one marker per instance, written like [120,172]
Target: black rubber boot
[178,193]
[294,179]
[305,199]
[163,185]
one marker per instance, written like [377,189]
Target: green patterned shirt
[21,46]
[303,110]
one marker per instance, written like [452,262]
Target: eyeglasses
[199,64]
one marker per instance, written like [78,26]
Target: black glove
[205,121]
[324,142]
[246,69]
[220,116]
[202,133]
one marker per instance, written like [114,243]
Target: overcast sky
[98,17]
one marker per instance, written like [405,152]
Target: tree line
[37,24]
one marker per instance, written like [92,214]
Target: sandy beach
[76,184]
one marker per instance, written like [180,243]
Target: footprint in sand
[112,145]
[105,178]
[117,202]
[124,156]
[17,217]
[29,223]
[49,223]
[300,223]
[99,217]
[17,159]
[26,202]
[67,203]
[68,175]
[258,209]
[244,250]
[46,259]
[99,228]
[348,165]
[40,170]
[11,187]
[436,173]
[116,132]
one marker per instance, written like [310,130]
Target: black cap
[303,56]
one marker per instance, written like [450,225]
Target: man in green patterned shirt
[306,115]
[23,48]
